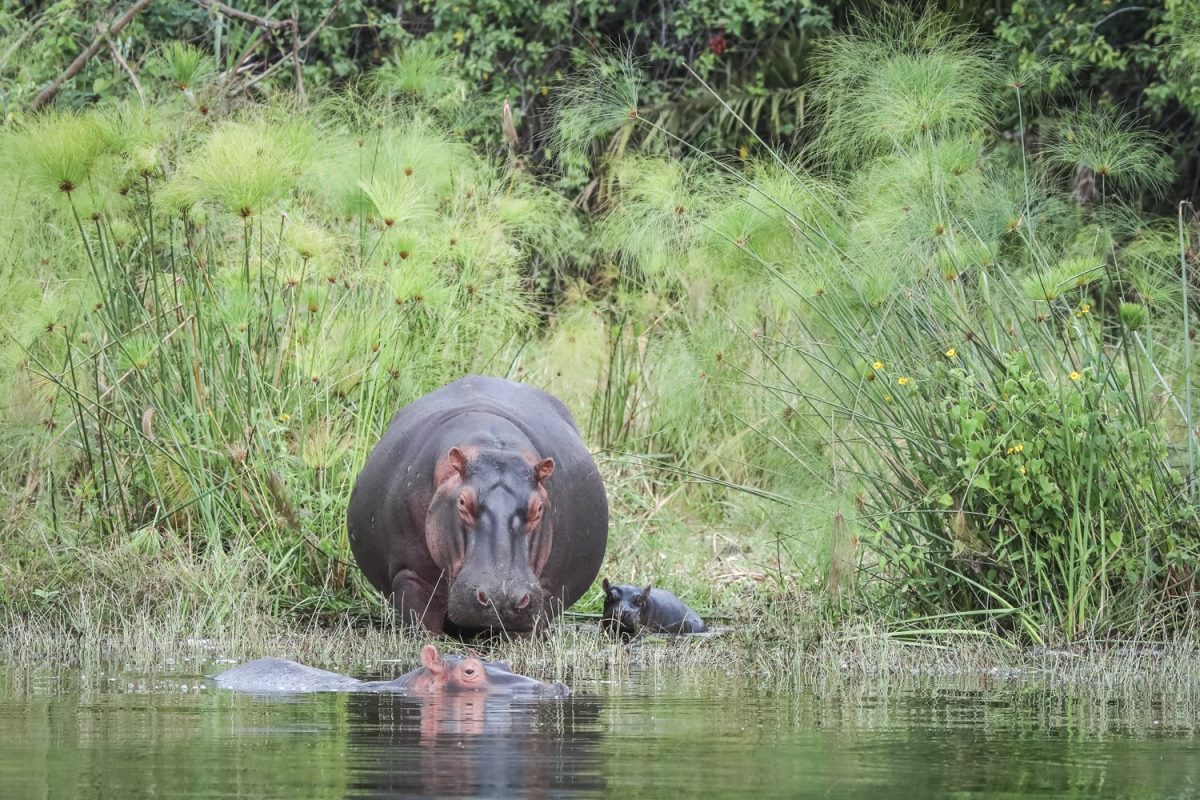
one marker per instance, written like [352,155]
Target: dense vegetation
[916,342]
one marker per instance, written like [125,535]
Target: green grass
[915,375]
[983,360]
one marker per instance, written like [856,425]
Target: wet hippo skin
[480,509]
[437,674]
[628,609]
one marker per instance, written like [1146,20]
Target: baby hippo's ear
[604,583]
[646,592]
[544,469]
[430,659]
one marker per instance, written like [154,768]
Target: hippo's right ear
[458,460]
[453,465]
[604,583]
[430,659]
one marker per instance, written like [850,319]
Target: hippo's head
[489,530]
[447,673]
[624,606]
[440,674]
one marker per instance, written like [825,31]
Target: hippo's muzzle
[487,602]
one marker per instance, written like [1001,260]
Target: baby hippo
[437,674]
[627,609]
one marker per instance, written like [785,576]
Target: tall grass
[976,355]
[210,321]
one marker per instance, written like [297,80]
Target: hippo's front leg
[417,602]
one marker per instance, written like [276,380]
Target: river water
[120,734]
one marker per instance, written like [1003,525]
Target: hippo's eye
[466,508]
[534,515]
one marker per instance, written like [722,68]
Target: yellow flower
[1019,447]
[743,151]
[1085,308]
[284,417]
[903,380]
[951,353]
[1075,376]
[545,90]
[887,398]
[458,37]
[1021,469]
[877,365]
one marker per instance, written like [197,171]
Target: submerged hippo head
[489,530]
[451,673]
[446,673]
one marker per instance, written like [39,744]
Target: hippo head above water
[489,530]
[446,673]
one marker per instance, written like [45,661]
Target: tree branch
[295,53]
[244,16]
[47,94]
[116,54]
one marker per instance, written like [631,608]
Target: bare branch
[47,94]
[244,16]
[116,54]
[295,54]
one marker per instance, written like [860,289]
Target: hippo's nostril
[481,597]
[524,601]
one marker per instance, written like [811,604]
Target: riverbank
[771,654]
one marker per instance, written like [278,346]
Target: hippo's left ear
[544,469]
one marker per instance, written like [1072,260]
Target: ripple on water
[120,734]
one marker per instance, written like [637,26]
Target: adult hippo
[480,509]
[436,675]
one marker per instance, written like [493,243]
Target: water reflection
[470,745]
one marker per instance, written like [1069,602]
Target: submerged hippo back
[279,675]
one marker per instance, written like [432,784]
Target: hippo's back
[279,675]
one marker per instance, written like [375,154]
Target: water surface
[104,734]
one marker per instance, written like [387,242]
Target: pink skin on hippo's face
[488,528]
[448,673]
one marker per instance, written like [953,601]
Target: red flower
[717,43]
